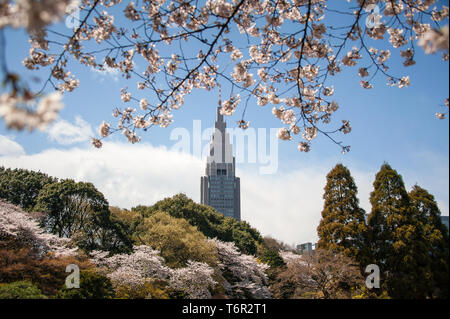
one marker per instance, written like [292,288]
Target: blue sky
[388,124]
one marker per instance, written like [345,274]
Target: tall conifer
[393,235]
[435,239]
[342,226]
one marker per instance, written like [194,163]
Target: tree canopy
[342,226]
[209,222]
[176,240]
[80,211]
[21,187]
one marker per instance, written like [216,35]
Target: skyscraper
[220,188]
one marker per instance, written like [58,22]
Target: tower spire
[219,107]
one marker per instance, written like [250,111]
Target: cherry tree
[283,53]
[21,226]
[132,270]
[245,277]
[145,265]
[196,280]
[290,257]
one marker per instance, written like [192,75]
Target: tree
[79,211]
[434,238]
[272,258]
[342,226]
[20,290]
[208,221]
[20,227]
[177,241]
[21,187]
[143,274]
[196,280]
[132,274]
[129,219]
[292,56]
[394,237]
[323,274]
[244,276]
[92,286]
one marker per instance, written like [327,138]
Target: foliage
[342,226]
[323,274]
[196,280]
[92,286]
[47,272]
[434,236]
[366,293]
[80,211]
[21,187]
[148,290]
[143,274]
[20,290]
[176,240]
[271,257]
[394,238]
[20,226]
[268,52]
[129,219]
[245,277]
[209,222]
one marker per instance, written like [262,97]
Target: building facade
[220,188]
[444,220]
[306,248]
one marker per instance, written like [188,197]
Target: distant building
[305,248]
[220,188]
[444,220]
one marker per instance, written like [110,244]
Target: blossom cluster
[245,276]
[18,117]
[144,265]
[289,69]
[21,226]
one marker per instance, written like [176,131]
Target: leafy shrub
[92,286]
[20,290]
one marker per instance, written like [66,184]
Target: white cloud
[286,205]
[108,72]
[66,133]
[10,148]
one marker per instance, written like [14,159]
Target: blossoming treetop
[284,53]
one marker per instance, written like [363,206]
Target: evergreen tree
[79,211]
[394,237]
[21,187]
[435,239]
[343,225]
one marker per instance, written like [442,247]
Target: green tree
[21,187]
[129,219]
[81,212]
[435,239]
[394,237]
[20,290]
[208,221]
[342,226]
[272,258]
[92,286]
[176,239]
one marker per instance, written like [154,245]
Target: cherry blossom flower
[283,134]
[104,129]
[20,225]
[282,65]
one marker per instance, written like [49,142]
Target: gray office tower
[220,188]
